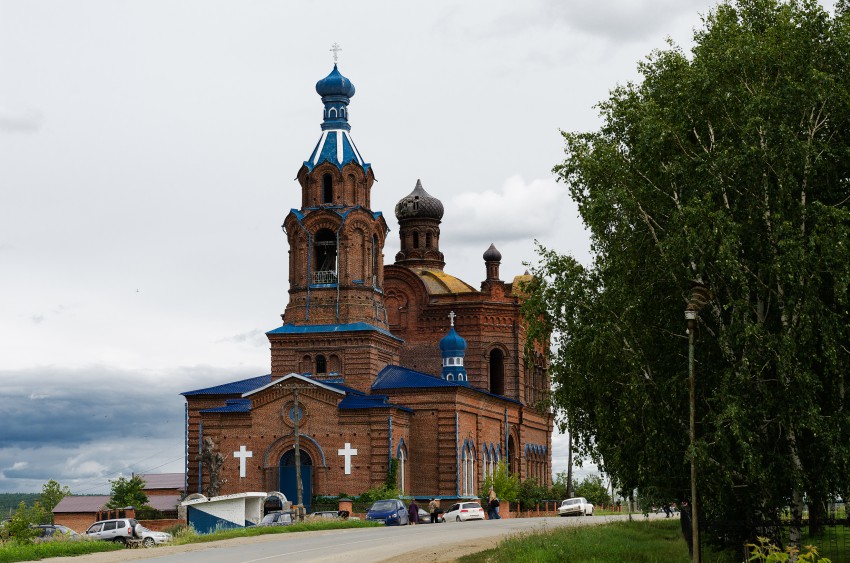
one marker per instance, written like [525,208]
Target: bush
[21,526]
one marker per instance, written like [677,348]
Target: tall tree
[128,492]
[728,166]
[51,493]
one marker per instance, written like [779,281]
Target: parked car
[391,512]
[151,538]
[119,530]
[463,511]
[276,518]
[50,532]
[126,530]
[577,506]
[425,517]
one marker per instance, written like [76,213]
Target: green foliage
[147,512]
[392,474]
[379,493]
[10,501]
[593,489]
[20,526]
[12,551]
[505,484]
[51,493]
[189,535]
[530,493]
[765,552]
[637,542]
[728,166]
[559,486]
[128,492]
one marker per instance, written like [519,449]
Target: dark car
[425,518]
[51,532]
[276,518]
[391,512]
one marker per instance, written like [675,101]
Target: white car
[463,511]
[151,538]
[577,506]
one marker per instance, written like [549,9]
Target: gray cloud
[20,120]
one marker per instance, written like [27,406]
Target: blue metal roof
[232,405]
[337,147]
[397,377]
[312,329]
[351,402]
[234,387]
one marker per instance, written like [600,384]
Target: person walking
[433,507]
[413,512]
[493,506]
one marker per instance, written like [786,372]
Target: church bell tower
[336,257]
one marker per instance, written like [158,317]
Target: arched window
[428,240]
[321,364]
[497,372]
[415,239]
[374,260]
[468,470]
[402,461]
[327,189]
[324,268]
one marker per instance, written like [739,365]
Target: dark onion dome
[419,203]
[492,254]
[452,343]
[335,84]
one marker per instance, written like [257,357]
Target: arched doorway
[288,480]
[497,372]
[513,457]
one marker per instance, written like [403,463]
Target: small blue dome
[335,84]
[452,342]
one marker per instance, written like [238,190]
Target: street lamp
[699,296]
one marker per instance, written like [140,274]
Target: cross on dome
[452,317]
[335,49]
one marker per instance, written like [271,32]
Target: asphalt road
[440,542]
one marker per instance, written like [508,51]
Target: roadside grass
[188,535]
[618,542]
[12,551]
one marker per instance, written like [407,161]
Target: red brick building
[375,365]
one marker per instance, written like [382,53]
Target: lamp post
[699,296]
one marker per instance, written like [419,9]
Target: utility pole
[296,423]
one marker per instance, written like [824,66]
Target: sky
[148,153]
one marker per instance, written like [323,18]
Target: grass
[618,542]
[12,551]
[188,535]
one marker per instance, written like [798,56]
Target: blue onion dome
[452,342]
[492,254]
[335,84]
[419,204]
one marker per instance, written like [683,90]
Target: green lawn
[11,551]
[638,541]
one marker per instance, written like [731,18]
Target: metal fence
[831,536]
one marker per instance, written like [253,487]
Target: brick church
[375,365]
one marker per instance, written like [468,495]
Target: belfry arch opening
[324,270]
[497,372]
[327,189]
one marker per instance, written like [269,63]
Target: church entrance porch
[287,477]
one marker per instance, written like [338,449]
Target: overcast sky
[148,151]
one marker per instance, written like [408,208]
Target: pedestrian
[667,510]
[493,506]
[433,507]
[413,512]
